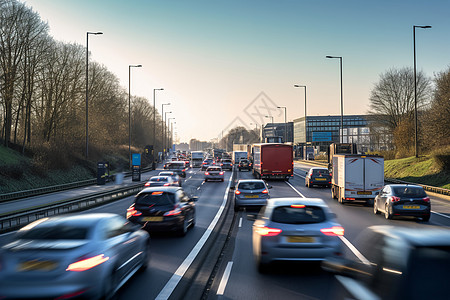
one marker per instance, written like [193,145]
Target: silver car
[87,256]
[176,179]
[295,229]
[250,193]
[214,173]
[160,181]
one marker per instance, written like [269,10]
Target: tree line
[43,90]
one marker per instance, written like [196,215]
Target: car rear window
[176,166]
[321,172]
[60,232]
[298,215]
[409,191]
[155,198]
[213,169]
[226,160]
[251,186]
[158,179]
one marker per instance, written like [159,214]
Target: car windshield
[60,232]
[409,191]
[251,186]
[318,172]
[298,215]
[156,198]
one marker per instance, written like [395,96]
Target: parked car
[176,179]
[163,209]
[318,176]
[403,200]
[226,164]
[295,229]
[207,163]
[251,193]
[87,256]
[214,173]
[177,166]
[245,164]
[398,263]
[160,181]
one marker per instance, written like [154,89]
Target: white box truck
[196,158]
[356,177]
[237,155]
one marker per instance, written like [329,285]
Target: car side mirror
[195,199]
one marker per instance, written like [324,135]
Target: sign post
[136,167]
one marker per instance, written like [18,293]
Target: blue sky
[213,58]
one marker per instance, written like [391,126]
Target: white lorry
[196,158]
[356,177]
[238,155]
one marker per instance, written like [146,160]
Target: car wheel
[184,228]
[387,212]
[426,218]
[375,209]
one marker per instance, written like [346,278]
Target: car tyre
[375,209]
[387,212]
[184,228]
[236,208]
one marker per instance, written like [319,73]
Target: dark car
[207,163]
[244,164]
[226,164]
[177,166]
[251,193]
[318,176]
[396,263]
[163,209]
[403,200]
[175,177]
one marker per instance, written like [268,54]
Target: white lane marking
[301,195]
[179,273]
[299,175]
[224,281]
[356,289]
[240,222]
[440,214]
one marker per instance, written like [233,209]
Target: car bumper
[399,211]
[168,224]
[244,202]
[212,177]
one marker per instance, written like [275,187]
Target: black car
[244,164]
[207,163]
[163,209]
[318,176]
[178,167]
[226,163]
[403,200]
[395,263]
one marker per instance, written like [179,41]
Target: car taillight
[333,231]
[184,170]
[133,212]
[147,184]
[267,231]
[394,199]
[221,173]
[204,163]
[237,192]
[298,206]
[166,184]
[173,212]
[265,191]
[426,199]
[221,164]
[87,263]
[206,173]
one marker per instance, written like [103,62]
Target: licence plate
[300,239]
[37,265]
[321,179]
[152,219]
[364,193]
[251,196]
[411,206]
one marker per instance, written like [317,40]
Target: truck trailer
[196,158]
[273,160]
[357,177]
[238,155]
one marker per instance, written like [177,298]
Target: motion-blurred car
[160,181]
[163,209]
[178,167]
[207,163]
[251,193]
[226,164]
[318,176]
[87,256]
[214,173]
[403,200]
[244,164]
[396,263]
[176,179]
[295,229]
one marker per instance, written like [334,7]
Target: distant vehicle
[175,177]
[177,166]
[207,163]
[295,229]
[357,177]
[214,173]
[163,209]
[226,164]
[318,176]
[174,159]
[160,181]
[403,200]
[339,148]
[310,156]
[196,158]
[245,164]
[400,263]
[273,161]
[251,193]
[238,155]
[85,255]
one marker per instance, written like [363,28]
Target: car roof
[83,220]
[429,236]
[296,200]
[167,189]
[251,180]
[404,185]
[318,168]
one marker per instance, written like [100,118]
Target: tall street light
[303,86]
[285,125]
[167,134]
[154,124]
[342,99]
[87,88]
[416,151]
[129,110]
[162,128]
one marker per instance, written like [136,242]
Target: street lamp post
[129,110]
[167,134]
[87,89]
[342,99]
[154,124]
[416,151]
[285,124]
[162,129]
[304,86]
[165,120]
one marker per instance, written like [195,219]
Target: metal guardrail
[18,219]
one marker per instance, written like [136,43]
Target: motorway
[237,277]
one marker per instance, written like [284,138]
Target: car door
[383,197]
[186,205]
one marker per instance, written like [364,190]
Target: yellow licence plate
[322,179]
[152,219]
[251,196]
[364,193]
[411,206]
[37,265]
[300,239]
